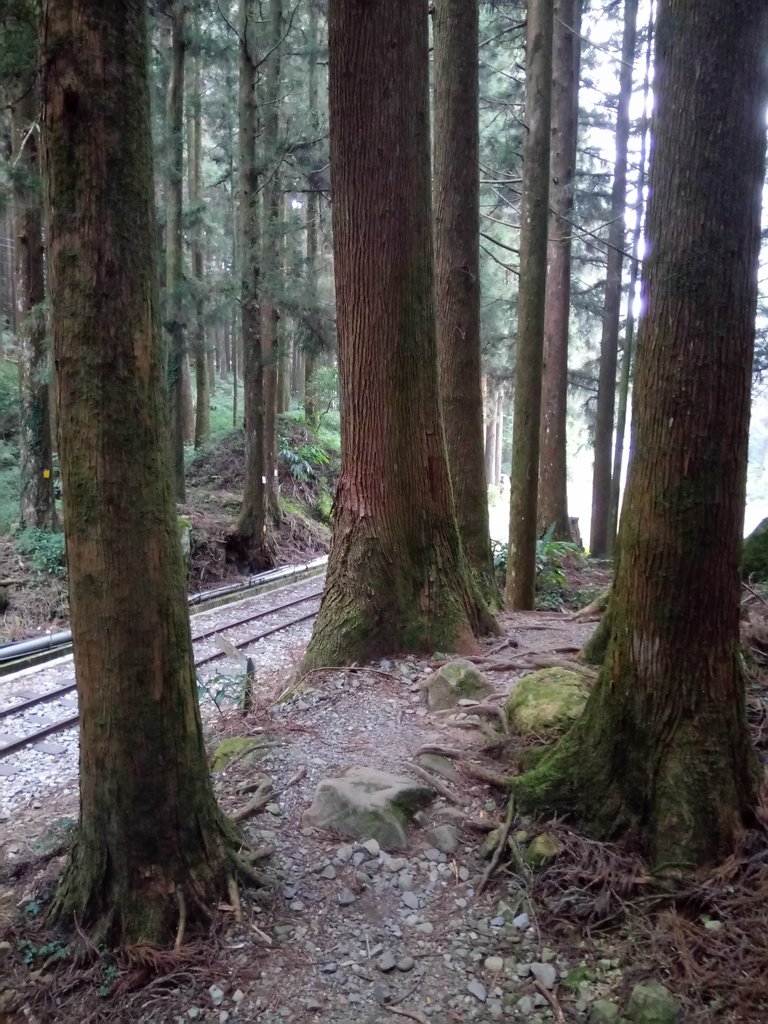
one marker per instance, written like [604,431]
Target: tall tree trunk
[37,505]
[553,492]
[195,189]
[662,749]
[152,848]
[313,225]
[397,579]
[252,522]
[457,273]
[499,439]
[627,352]
[271,255]
[174,316]
[599,541]
[521,564]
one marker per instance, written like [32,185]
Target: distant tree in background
[397,579]
[152,853]
[662,750]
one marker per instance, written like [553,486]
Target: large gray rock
[368,803]
[652,1003]
[458,680]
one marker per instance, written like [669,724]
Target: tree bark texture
[271,255]
[252,521]
[313,223]
[457,273]
[599,541]
[174,315]
[397,579]
[566,51]
[151,841]
[662,750]
[524,478]
[37,506]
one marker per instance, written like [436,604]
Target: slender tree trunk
[599,541]
[271,255]
[37,503]
[195,189]
[225,351]
[662,750]
[553,493]
[174,318]
[627,354]
[313,225]
[457,257]
[490,441]
[152,848]
[499,439]
[397,579]
[252,522]
[285,334]
[521,564]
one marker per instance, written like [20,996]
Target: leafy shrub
[551,582]
[9,399]
[45,550]
[304,462]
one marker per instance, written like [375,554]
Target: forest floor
[348,933]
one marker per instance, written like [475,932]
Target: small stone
[524,1006]
[478,990]
[464,874]
[194,1012]
[296,905]
[329,871]
[346,897]
[313,1005]
[713,926]
[386,962]
[216,994]
[603,1012]
[494,964]
[425,928]
[405,882]
[523,970]
[223,1017]
[410,900]
[521,921]
[329,968]
[238,996]
[406,963]
[344,853]
[542,849]
[496,1009]
[434,855]
[545,974]
[652,1003]
[372,846]
[382,994]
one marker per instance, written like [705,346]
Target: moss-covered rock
[458,680]
[652,1003]
[754,558]
[604,1012]
[547,702]
[230,748]
[542,849]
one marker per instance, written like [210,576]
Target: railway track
[284,603]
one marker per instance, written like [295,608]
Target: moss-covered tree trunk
[457,228]
[553,496]
[37,505]
[313,219]
[534,211]
[662,750]
[174,314]
[152,846]
[397,579]
[271,254]
[252,521]
[600,543]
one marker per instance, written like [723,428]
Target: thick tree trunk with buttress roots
[662,750]
[152,847]
[457,227]
[397,579]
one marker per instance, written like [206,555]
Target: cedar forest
[421,259]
